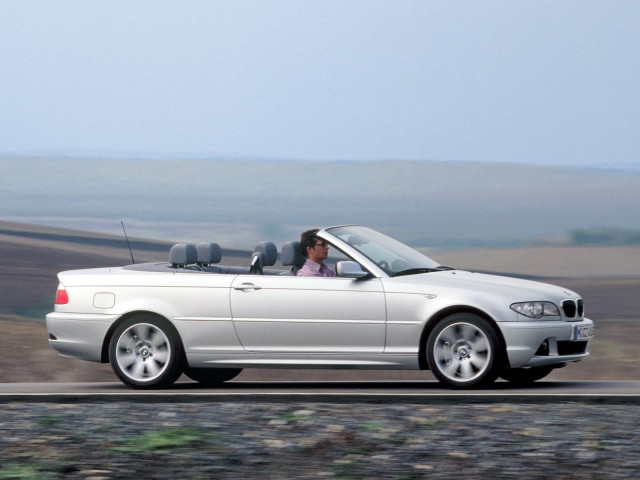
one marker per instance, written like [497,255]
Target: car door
[282,313]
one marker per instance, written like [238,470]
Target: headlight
[536,309]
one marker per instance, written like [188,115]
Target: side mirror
[349,269]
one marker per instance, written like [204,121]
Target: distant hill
[241,202]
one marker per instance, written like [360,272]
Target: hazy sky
[524,81]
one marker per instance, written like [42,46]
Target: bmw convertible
[389,307]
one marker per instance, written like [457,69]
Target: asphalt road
[384,391]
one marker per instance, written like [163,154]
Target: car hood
[514,288]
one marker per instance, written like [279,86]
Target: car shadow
[370,386]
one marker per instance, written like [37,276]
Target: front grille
[572,309]
[569,308]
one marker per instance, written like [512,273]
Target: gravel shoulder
[318,440]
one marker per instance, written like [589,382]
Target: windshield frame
[382,253]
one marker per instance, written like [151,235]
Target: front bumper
[77,335]
[540,343]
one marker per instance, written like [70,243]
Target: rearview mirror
[349,269]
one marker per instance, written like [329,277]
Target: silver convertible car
[390,307]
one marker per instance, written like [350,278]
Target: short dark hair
[308,239]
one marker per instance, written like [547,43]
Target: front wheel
[145,352]
[463,351]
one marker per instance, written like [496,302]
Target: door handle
[246,286]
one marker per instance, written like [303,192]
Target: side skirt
[320,361]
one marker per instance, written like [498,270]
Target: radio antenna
[128,244]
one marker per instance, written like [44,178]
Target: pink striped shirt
[313,269]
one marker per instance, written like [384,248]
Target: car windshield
[394,257]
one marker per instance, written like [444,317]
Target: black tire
[463,351]
[526,376]
[211,376]
[145,352]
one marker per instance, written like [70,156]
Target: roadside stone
[335,428]
[275,443]
[277,422]
[458,455]
[587,456]
[531,432]
[304,413]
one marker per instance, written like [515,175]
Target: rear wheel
[211,376]
[145,352]
[463,351]
[525,376]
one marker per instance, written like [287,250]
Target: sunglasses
[321,244]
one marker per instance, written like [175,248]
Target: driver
[315,250]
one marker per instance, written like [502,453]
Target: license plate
[582,332]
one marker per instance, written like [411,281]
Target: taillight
[61,296]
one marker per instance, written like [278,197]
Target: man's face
[319,252]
